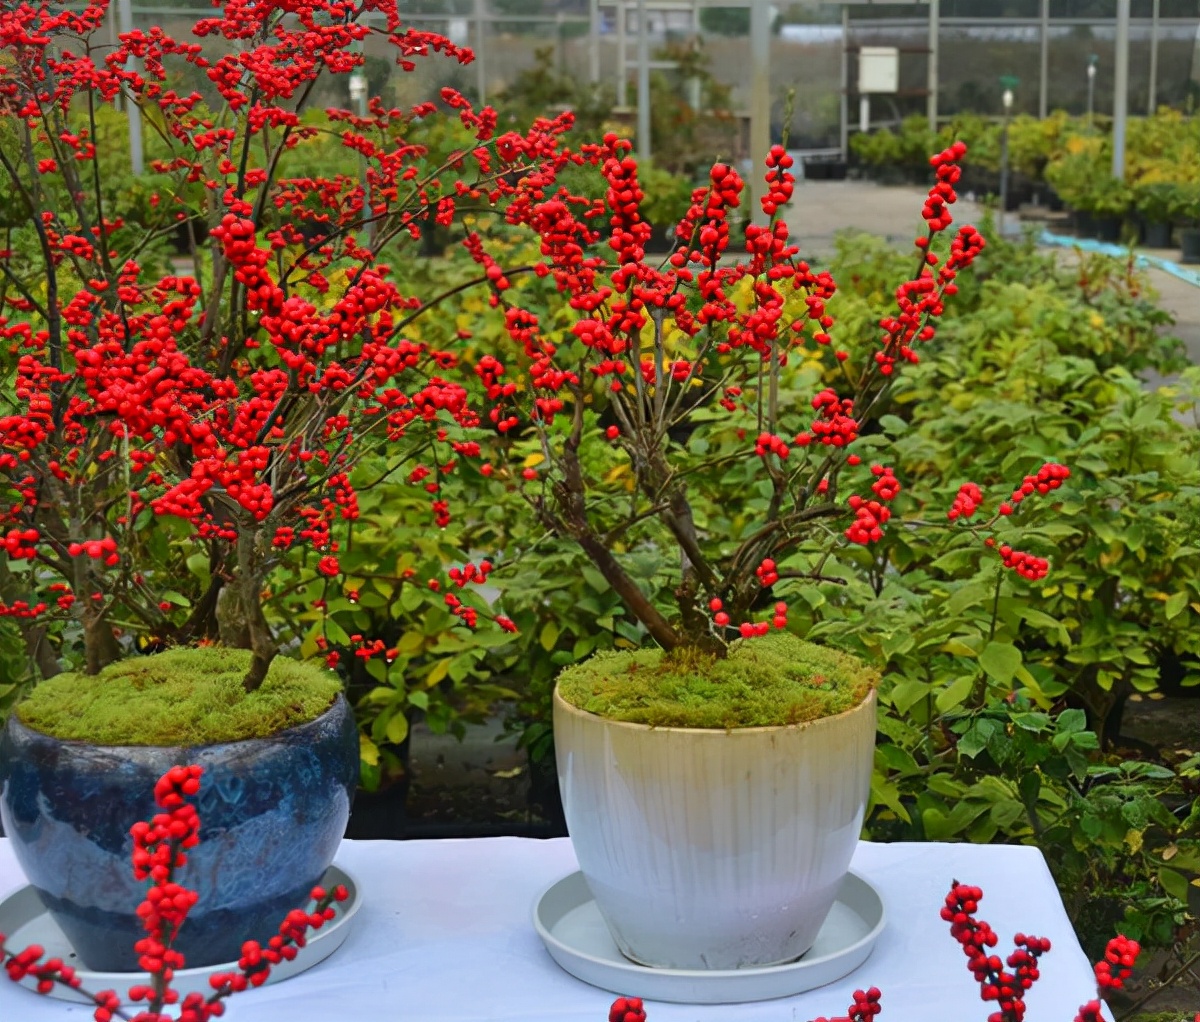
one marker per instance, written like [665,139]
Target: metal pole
[622,62]
[594,42]
[931,107]
[760,100]
[844,107]
[481,49]
[1044,74]
[1003,217]
[1091,102]
[1153,104]
[133,112]
[643,83]
[1120,90]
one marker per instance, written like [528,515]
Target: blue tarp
[1141,259]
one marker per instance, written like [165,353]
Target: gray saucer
[26,921]
[570,925]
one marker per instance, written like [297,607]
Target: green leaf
[1175,884]
[419,699]
[397,728]
[956,694]
[970,595]
[1005,814]
[549,635]
[1000,660]
[959,648]
[1071,722]
[1176,603]
[593,578]
[977,737]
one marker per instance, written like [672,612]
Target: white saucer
[570,925]
[25,921]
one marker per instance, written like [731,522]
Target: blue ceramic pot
[272,813]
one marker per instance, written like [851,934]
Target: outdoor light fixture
[358,87]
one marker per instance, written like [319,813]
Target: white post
[1044,72]
[1091,99]
[760,100]
[864,113]
[643,83]
[622,59]
[1120,90]
[133,112]
[1153,104]
[1002,216]
[844,107]
[594,41]
[481,49]
[931,104]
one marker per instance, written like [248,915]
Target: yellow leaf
[533,460]
[1133,840]
[437,673]
[368,751]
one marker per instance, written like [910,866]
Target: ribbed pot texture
[712,849]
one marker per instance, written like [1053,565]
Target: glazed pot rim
[14,721]
[868,700]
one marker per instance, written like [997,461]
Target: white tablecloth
[444,935]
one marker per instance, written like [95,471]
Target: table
[444,935]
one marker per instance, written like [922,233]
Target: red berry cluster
[779,182]
[886,485]
[1028,566]
[1006,989]
[1049,477]
[627,1009]
[835,424]
[767,573]
[20,544]
[98,549]
[921,300]
[863,1008]
[966,502]
[769,443]
[870,516]
[996,984]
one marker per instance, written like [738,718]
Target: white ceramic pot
[713,849]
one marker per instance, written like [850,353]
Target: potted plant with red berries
[161,419]
[714,782]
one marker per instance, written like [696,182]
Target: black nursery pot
[1190,239]
[1108,229]
[272,813]
[1157,235]
[1085,224]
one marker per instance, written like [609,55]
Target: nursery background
[1059,708]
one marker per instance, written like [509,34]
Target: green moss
[183,697]
[776,679]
